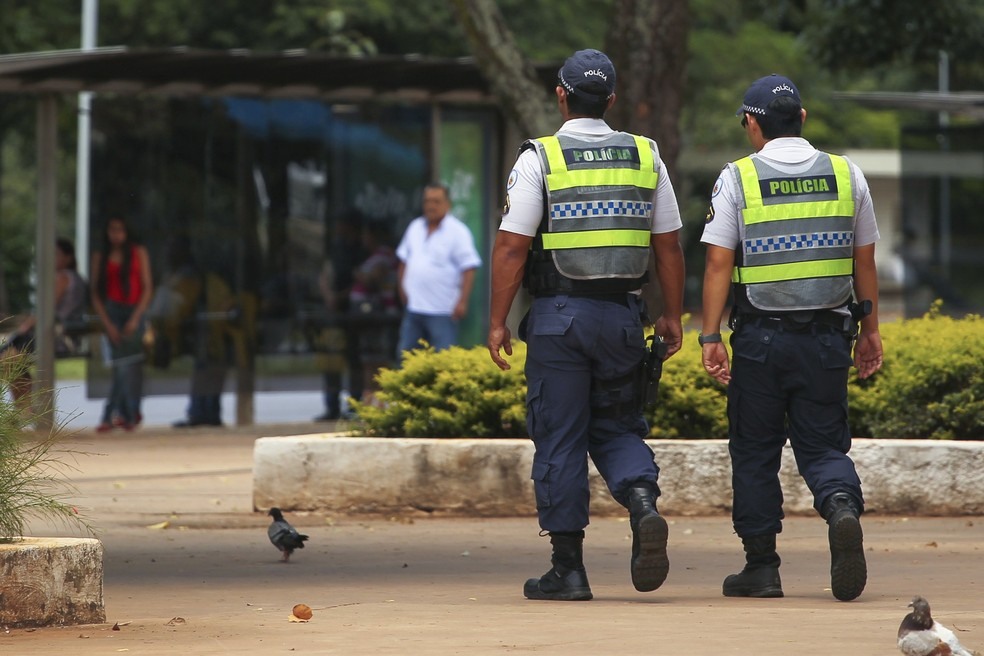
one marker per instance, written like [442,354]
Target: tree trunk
[647,42]
[509,73]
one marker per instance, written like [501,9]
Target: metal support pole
[946,221]
[90,19]
[44,330]
[435,145]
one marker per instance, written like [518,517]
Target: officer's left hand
[500,338]
[671,330]
[714,357]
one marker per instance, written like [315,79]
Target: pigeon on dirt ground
[921,635]
[284,536]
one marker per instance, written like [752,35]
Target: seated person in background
[71,294]
[375,306]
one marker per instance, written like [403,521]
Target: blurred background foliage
[824,45]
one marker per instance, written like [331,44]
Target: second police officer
[792,230]
[584,208]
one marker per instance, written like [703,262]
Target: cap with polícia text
[588,74]
[763,91]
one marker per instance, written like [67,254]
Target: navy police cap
[763,91]
[588,74]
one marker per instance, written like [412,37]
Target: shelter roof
[965,103]
[295,74]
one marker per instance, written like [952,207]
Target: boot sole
[532,591]
[650,567]
[848,570]
[764,593]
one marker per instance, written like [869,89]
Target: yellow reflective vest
[595,235]
[797,252]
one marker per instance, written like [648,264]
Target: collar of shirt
[587,126]
[790,150]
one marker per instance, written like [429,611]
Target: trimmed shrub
[456,392]
[932,382]
[692,405]
[931,386]
[461,393]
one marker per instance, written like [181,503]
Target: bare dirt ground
[211,583]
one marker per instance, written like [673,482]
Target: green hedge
[932,382]
[931,386]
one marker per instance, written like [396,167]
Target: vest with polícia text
[595,235]
[797,252]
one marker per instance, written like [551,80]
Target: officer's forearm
[866,284]
[508,262]
[717,286]
[670,271]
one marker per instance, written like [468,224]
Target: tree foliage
[860,34]
[510,74]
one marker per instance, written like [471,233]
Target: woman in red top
[121,291]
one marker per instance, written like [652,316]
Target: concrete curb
[51,581]
[490,477]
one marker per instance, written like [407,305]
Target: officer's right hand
[715,358]
[671,331]
[500,338]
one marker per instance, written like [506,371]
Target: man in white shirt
[584,209]
[437,271]
[792,232]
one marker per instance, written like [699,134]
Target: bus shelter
[263,168]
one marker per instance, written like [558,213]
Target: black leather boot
[848,570]
[760,577]
[650,564]
[566,580]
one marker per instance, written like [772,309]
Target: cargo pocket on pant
[752,343]
[541,484]
[835,351]
[552,324]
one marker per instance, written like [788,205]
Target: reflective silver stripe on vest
[798,234]
[599,204]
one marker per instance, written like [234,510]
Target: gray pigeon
[284,536]
[921,635]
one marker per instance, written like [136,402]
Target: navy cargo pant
[787,384]
[580,357]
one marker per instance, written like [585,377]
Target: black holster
[650,371]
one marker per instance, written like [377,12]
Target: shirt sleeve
[466,256]
[721,224]
[403,250]
[865,225]
[523,210]
[666,211]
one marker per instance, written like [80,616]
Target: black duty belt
[617,297]
[788,323]
[622,298]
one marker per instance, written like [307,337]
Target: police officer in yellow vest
[584,208]
[792,231]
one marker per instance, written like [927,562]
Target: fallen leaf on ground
[175,620]
[116,627]
[160,525]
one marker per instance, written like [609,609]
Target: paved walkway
[210,583]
